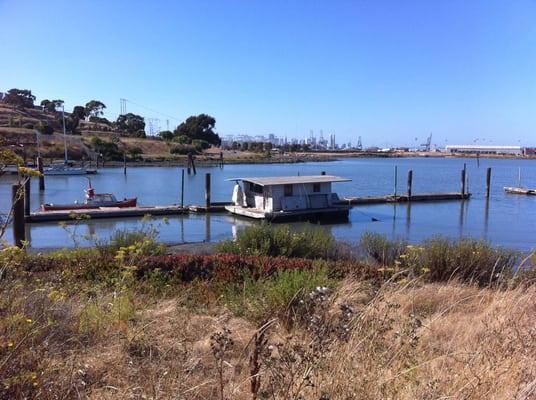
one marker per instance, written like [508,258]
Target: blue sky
[389,71]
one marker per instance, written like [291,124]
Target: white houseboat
[287,197]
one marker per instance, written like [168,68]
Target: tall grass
[442,259]
[280,295]
[279,240]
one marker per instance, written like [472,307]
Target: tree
[48,106]
[79,112]
[20,98]
[199,127]
[95,108]
[166,135]
[132,124]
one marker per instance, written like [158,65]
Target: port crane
[427,146]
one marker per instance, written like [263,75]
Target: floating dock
[103,212]
[520,190]
[115,212]
[390,198]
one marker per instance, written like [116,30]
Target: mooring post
[124,163]
[221,159]
[410,183]
[193,165]
[207,190]
[41,175]
[396,180]
[182,189]
[488,181]
[463,179]
[27,187]
[189,163]
[19,235]
[323,173]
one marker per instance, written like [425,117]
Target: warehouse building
[477,149]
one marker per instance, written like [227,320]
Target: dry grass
[400,341]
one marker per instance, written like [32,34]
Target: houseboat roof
[291,180]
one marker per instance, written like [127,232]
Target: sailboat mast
[64,134]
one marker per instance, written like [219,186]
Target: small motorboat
[92,201]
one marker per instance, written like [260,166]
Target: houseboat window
[255,188]
[288,190]
[316,187]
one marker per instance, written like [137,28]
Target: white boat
[288,198]
[65,168]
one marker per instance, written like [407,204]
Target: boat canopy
[291,180]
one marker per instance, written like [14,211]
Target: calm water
[507,220]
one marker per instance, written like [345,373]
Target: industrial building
[478,149]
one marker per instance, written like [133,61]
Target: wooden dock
[390,198]
[115,212]
[104,212]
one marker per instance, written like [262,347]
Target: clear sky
[389,71]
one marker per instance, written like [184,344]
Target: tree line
[197,130]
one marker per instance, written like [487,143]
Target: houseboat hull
[336,213]
[127,203]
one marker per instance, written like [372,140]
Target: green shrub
[182,149]
[144,239]
[200,144]
[44,128]
[380,249]
[182,139]
[278,240]
[280,295]
[465,259]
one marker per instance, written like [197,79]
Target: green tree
[79,112]
[95,108]
[166,135]
[199,127]
[20,98]
[48,106]
[131,124]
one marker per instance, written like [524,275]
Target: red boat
[93,200]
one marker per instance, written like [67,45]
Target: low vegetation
[274,315]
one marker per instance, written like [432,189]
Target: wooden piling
[191,164]
[182,189]
[27,204]
[41,174]
[410,183]
[488,182]
[464,171]
[124,164]
[323,173]
[221,159]
[207,190]
[396,181]
[17,198]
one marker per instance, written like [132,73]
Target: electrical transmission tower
[153,125]
[123,106]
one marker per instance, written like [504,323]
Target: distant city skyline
[387,71]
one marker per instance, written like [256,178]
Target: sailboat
[64,168]
[520,189]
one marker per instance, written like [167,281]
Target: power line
[150,109]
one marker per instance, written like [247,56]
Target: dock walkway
[115,212]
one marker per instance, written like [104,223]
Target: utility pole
[64,133]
